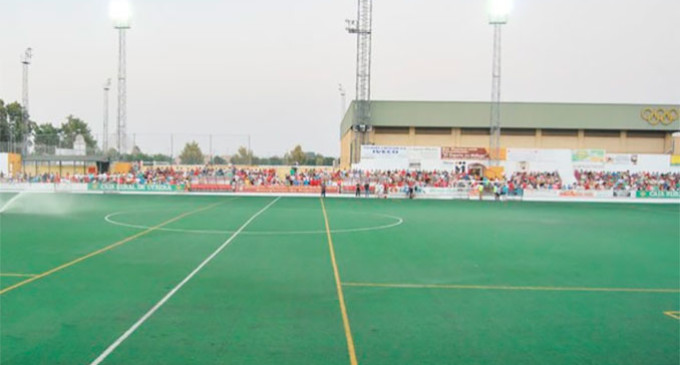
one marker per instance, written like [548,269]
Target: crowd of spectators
[624,180]
[391,179]
[535,180]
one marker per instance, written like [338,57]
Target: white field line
[397,221]
[172,292]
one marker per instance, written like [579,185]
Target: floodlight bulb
[499,10]
[120,13]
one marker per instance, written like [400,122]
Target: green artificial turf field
[135,279]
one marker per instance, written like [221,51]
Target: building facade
[616,128]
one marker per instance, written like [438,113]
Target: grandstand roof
[475,114]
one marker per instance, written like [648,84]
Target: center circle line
[397,221]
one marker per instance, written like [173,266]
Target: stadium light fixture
[499,10]
[498,16]
[121,13]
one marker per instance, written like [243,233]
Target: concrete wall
[519,141]
[560,142]
[4,163]
[393,139]
[610,144]
[345,146]
[473,140]
[437,140]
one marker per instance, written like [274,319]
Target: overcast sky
[271,68]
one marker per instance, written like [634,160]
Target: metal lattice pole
[25,117]
[122,92]
[105,126]
[495,131]
[361,123]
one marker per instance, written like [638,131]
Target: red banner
[471,153]
[465,153]
[263,189]
[211,187]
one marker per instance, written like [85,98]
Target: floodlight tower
[25,118]
[361,124]
[120,14]
[498,15]
[105,126]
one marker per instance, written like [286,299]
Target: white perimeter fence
[621,196]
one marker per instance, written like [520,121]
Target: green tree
[112,153]
[296,156]
[12,127]
[4,123]
[136,155]
[273,161]
[159,157]
[318,160]
[243,156]
[191,154]
[15,117]
[47,135]
[73,127]
[328,161]
[218,160]
[276,160]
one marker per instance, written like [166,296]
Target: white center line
[172,292]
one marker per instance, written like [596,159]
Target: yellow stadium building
[616,128]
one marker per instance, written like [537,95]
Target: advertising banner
[134,187]
[470,153]
[659,194]
[592,155]
[532,193]
[675,160]
[599,194]
[306,189]
[576,194]
[211,187]
[621,159]
[380,152]
[287,189]
[450,193]
[412,153]
[623,194]
[423,153]
[464,153]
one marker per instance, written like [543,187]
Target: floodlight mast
[105,126]
[25,117]
[361,123]
[120,14]
[498,15]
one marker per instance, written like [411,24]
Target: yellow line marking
[506,287]
[102,250]
[673,314]
[15,274]
[341,297]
